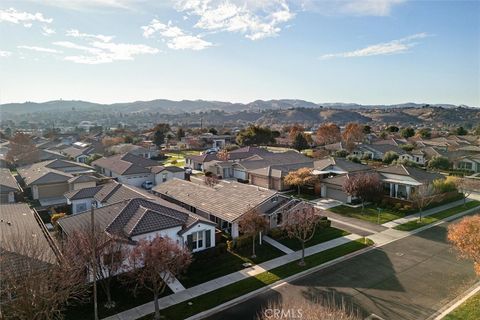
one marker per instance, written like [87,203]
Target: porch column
[234,230]
[409,190]
[392,190]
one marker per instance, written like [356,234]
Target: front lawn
[415,224]
[204,268]
[212,299]
[321,235]
[469,310]
[370,213]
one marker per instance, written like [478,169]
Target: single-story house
[128,168]
[164,174]
[140,218]
[226,202]
[9,187]
[49,180]
[376,151]
[19,224]
[102,195]
[140,151]
[470,162]
[400,181]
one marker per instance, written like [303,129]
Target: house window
[279,218]
[80,207]
[197,240]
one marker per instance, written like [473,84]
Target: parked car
[147,185]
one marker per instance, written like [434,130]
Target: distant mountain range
[187,106]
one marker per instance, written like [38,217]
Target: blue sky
[371,52]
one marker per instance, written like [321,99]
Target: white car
[147,185]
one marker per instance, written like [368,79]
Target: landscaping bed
[469,310]
[415,224]
[207,266]
[321,235]
[121,294]
[212,299]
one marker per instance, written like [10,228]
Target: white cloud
[255,19]
[13,16]
[39,49]
[98,52]
[351,7]
[88,4]
[77,34]
[392,47]
[46,31]
[175,37]
[4,54]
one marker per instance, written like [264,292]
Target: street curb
[455,303]
[279,283]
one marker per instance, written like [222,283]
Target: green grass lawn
[205,269]
[321,235]
[370,213]
[469,310]
[177,158]
[415,224]
[209,300]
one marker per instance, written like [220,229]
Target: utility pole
[94,261]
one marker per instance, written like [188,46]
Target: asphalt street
[408,279]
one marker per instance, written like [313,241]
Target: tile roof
[417,174]
[342,163]
[133,217]
[107,193]
[126,163]
[40,173]
[17,222]
[226,200]
[7,181]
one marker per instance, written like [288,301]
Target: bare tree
[251,224]
[422,196]
[301,224]
[22,150]
[155,263]
[364,186]
[111,254]
[299,178]
[466,187]
[36,283]
[210,179]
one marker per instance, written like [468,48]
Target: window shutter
[190,241]
[208,242]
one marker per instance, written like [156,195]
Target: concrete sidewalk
[354,222]
[415,216]
[277,245]
[190,293]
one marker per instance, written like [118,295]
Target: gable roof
[107,193]
[342,163]
[382,148]
[7,181]
[417,174]
[39,173]
[226,200]
[82,178]
[133,217]
[126,163]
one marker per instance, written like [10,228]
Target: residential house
[104,194]
[20,224]
[137,219]
[140,151]
[9,187]
[164,174]
[227,202]
[49,180]
[468,162]
[128,168]
[376,151]
[400,181]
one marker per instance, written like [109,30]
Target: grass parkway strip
[209,300]
[415,224]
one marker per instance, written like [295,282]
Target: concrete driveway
[408,279]
[325,203]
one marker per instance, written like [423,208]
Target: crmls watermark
[283,313]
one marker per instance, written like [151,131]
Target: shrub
[407,207]
[174,162]
[324,222]
[56,216]
[353,158]
[397,206]
[442,186]
[341,153]
[243,241]
[230,245]
[389,157]
[439,162]
[276,233]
